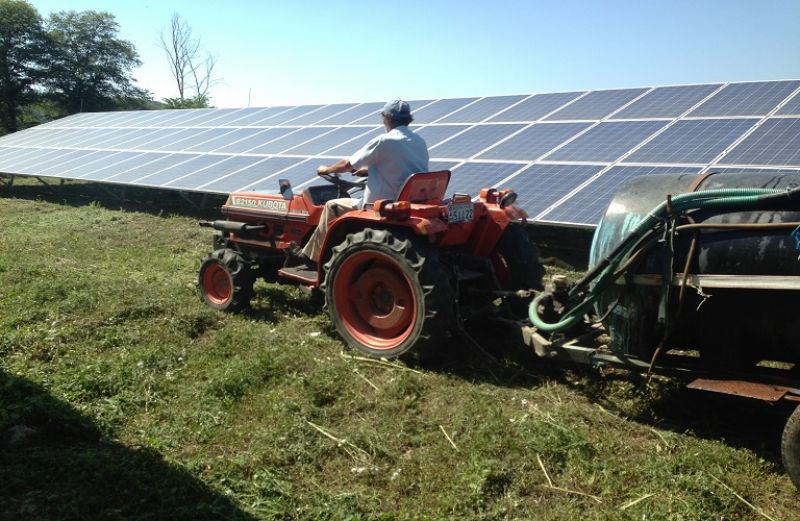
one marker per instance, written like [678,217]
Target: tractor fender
[353,222]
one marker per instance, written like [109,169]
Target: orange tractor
[397,275]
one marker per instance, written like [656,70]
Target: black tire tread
[241,273]
[423,260]
[790,447]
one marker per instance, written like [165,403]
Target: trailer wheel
[790,447]
[388,293]
[225,280]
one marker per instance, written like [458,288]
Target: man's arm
[343,165]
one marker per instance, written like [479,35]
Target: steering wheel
[344,186]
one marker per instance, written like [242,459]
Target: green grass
[123,397]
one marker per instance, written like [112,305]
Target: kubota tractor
[397,275]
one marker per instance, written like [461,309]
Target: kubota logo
[261,204]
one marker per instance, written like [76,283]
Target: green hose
[604,278]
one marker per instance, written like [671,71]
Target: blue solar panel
[588,205]
[747,99]
[473,140]
[132,169]
[435,134]
[765,171]
[374,117]
[775,142]
[364,110]
[202,176]
[439,109]
[101,170]
[256,172]
[285,118]
[482,109]
[225,138]
[607,141]
[191,163]
[534,141]
[61,166]
[318,115]
[348,148]
[301,172]
[792,107]
[596,105]
[58,159]
[484,140]
[470,178]
[692,141]
[289,140]
[535,107]
[22,162]
[539,186]
[259,138]
[334,137]
[667,102]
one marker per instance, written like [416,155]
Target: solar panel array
[564,153]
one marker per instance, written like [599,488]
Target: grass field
[123,397]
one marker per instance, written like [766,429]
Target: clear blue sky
[301,52]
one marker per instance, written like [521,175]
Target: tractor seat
[425,186]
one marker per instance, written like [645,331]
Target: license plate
[460,212]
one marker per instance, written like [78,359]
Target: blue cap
[397,108]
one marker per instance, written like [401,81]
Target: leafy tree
[91,67]
[22,53]
[197,102]
[191,71]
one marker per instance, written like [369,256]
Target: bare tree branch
[190,71]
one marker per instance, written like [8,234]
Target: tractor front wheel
[225,280]
[790,447]
[387,293]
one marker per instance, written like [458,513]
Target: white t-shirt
[391,157]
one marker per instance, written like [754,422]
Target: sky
[308,52]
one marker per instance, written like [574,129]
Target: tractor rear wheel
[225,280]
[790,447]
[516,259]
[388,294]
[517,265]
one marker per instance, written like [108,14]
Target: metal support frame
[7,180]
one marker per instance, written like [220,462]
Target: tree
[91,68]
[22,55]
[187,65]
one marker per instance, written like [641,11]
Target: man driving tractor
[387,161]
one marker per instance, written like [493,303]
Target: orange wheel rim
[217,284]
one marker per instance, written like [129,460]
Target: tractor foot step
[301,273]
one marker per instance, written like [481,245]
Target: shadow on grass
[152,201]
[55,464]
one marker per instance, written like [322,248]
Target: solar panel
[564,153]
[534,141]
[747,99]
[792,107]
[596,105]
[473,140]
[535,107]
[667,102]
[438,109]
[539,186]
[435,134]
[470,178]
[607,141]
[775,142]
[238,180]
[481,109]
[692,141]
[587,205]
